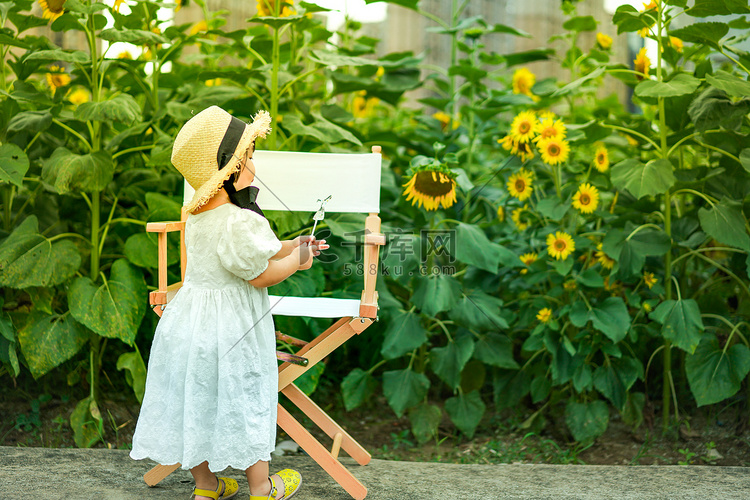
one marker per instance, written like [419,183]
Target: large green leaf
[708,8]
[308,381]
[725,222]
[587,421]
[8,343]
[135,372]
[30,122]
[87,423]
[713,108]
[163,208]
[628,18]
[404,389]
[616,377]
[495,349]
[681,322]
[409,4]
[436,293]
[142,249]
[322,130]
[567,89]
[716,373]
[403,334]
[357,387]
[611,318]
[631,249]
[13,164]
[655,177]
[47,341]
[425,419]
[75,56]
[122,108]
[447,362]
[70,172]
[509,386]
[705,33]
[679,85]
[580,23]
[729,83]
[473,248]
[116,308]
[466,410]
[136,37]
[478,310]
[29,259]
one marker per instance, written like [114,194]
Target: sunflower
[604,41]
[523,80]
[601,158]
[500,213]
[546,114]
[649,280]
[432,185]
[642,64]
[523,150]
[524,126]
[516,217]
[124,55]
[214,82]
[52,9]
[605,260]
[586,198]
[57,78]
[544,315]
[268,8]
[446,120]
[550,128]
[79,96]
[363,106]
[179,5]
[198,27]
[554,150]
[676,43]
[519,184]
[570,285]
[528,259]
[560,245]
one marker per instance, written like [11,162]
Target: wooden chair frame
[295,365]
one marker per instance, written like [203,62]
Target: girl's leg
[257,480]
[204,479]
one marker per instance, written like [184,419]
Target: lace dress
[204,398]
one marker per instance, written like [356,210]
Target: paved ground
[43,473]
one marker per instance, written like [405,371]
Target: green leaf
[86,428]
[540,388]
[679,85]
[632,415]
[627,18]
[631,249]
[409,4]
[611,318]
[69,172]
[495,349]
[713,108]
[552,208]
[725,222]
[681,323]
[322,130]
[403,334]
[528,56]
[436,293]
[13,164]
[502,28]
[473,248]
[716,373]
[655,177]
[425,419]
[122,108]
[330,58]
[47,341]
[509,386]
[473,375]
[705,33]
[142,249]
[745,159]
[466,410]
[116,308]
[357,387]
[587,421]
[479,310]
[308,381]
[708,8]
[591,278]
[615,379]
[136,37]
[404,389]
[580,23]
[135,372]
[731,84]
[30,121]
[75,56]
[447,362]
[29,259]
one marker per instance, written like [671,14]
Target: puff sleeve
[246,244]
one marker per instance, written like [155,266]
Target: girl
[212,382]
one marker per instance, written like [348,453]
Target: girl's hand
[308,239]
[305,256]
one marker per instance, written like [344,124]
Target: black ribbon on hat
[245,197]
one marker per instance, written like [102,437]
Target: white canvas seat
[314,307]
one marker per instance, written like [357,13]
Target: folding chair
[353,181]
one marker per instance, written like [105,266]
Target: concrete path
[50,474]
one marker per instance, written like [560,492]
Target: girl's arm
[286,248]
[279,270]
[288,245]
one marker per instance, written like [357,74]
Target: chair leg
[326,423]
[322,456]
[159,472]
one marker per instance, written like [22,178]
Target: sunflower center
[520,185]
[560,245]
[55,6]
[428,184]
[524,127]
[553,150]
[600,158]
[584,199]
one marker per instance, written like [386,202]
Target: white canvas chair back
[292,181]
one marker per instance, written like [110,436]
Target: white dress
[212,381]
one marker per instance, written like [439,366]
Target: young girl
[212,382]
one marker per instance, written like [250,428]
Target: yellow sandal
[292,481]
[230,490]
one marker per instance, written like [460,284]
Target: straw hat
[208,149]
